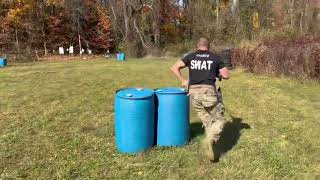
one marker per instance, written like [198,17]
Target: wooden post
[45,48]
[80,48]
[17,40]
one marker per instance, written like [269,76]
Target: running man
[204,67]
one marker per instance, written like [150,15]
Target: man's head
[203,44]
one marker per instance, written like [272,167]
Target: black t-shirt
[203,67]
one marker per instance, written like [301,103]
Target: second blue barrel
[134,120]
[121,56]
[3,62]
[173,127]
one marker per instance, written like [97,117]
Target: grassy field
[56,122]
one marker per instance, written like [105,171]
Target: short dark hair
[204,42]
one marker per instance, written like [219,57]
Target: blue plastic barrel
[173,127]
[121,57]
[3,62]
[134,120]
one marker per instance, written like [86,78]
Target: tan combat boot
[208,147]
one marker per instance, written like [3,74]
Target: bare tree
[77,11]
[132,13]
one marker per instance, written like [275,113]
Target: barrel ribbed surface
[134,120]
[173,128]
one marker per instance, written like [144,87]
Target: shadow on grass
[229,136]
[196,129]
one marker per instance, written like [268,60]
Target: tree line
[140,27]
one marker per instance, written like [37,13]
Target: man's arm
[224,72]
[176,69]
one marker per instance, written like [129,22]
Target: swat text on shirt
[201,65]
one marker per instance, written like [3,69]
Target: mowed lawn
[57,122]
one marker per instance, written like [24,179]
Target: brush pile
[299,58]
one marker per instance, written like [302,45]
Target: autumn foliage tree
[41,26]
[142,27]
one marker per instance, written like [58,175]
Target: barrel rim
[131,96]
[158,91]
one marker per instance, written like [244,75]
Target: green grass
[56,122]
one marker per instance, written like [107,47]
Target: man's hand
[185,83]
[224,73]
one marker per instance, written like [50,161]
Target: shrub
[178,50]
[20,58]
[298,58]
[132,49]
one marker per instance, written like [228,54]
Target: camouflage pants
[210,109]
